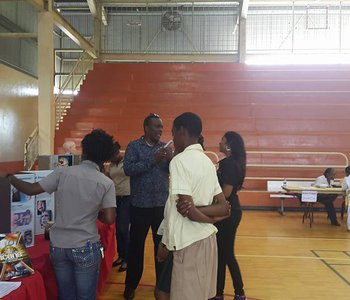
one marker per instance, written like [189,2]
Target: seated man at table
[324,181]
[83,194]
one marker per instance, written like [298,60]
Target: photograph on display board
[43,215]
[14,258]
[47,200]
[45,218]
[42,221]
[28,237]
[16,196]
[40,206]
[44,205]
[63,161]
[22,219]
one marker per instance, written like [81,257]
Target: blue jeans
[76,271]
[123,226]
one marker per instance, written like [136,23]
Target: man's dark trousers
[141,220]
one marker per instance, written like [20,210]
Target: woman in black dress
[231,175]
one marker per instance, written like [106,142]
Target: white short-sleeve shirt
[346,183]
[192,173]
[321,181]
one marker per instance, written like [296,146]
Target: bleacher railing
[338,156]
[71,85]
[333,156]
[31,149]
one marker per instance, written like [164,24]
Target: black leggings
[226,254]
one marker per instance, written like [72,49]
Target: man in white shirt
[346,187]
[324,181]
[191,237]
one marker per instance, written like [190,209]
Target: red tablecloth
[40,258]
[107,234]
[32,288]
[39,255]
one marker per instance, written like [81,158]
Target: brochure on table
[14,258]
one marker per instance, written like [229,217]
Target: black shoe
[123,267]
[335,224]
[129,293]
[118,262]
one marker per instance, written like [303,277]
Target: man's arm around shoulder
[219,208]
[209,214]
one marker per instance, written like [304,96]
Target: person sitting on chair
[324,181]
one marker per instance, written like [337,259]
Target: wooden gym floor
[280,258]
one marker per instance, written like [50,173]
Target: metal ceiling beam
[135,2]
[262,2]
[243,7]
[38,4]
[296,2]
[75,36]
[18,35]
[105,57]
[9,25]
[66,27]
[12,27]
[93,7]
[70,50]
[71,4]
[104,16]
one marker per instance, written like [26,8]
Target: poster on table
[22,211]
[14,259]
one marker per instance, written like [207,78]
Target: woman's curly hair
[97,146]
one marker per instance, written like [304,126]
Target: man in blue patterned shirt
[146,161]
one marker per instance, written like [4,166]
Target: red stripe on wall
[11,166]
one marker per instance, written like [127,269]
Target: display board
[22,211]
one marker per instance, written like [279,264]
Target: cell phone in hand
[168,144]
